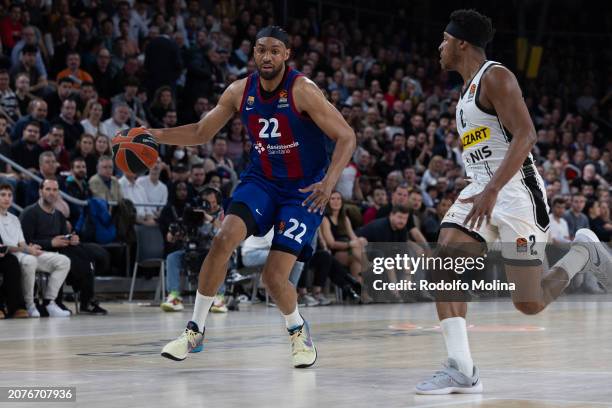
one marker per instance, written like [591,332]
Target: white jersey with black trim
[484,139]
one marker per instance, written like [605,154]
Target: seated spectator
[103,184]
[162,102]
[54,142]
[197,180]
[432,220]
[130,190]
[380,201]
[56,99]
[27,65]
[44,226]
[138,116]
[574,216]
[118,121]
[29,38]
[235,140]
[92,124]
[156,192]
[218,157]
[73,70]
[25,151]
[77,187]
[434,171]
[22,92]
[596,223]
[8,100]
[85,150]
[104,75]
[37,111]
[68,119]
[400,196]
[86,93]
[47,169]
[102,146]
[340,238]
[31,259]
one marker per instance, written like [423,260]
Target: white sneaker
[173,303]
[190,341]
[218,305]
[33,311]
[600,259]
[55,311]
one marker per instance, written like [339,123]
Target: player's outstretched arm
[204,130]
[504,93]
[310,99]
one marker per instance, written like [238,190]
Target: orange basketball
[134,150]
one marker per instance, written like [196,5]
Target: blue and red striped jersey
[286,144]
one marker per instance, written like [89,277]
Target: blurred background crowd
[73,73]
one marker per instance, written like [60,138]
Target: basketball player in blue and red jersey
[286,186]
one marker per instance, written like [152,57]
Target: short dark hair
[558,200]
[65,80]
[76,159]
[219,137]
[400,209]
[87,83]
[29,49]
[6,186]
[474,24]
[197,166]
[34,123]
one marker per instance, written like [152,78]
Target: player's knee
[271,281]
[224,242]
[529,308]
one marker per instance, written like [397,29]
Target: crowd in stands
[73,73]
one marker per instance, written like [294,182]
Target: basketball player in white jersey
[505,198]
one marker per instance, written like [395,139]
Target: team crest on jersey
[472,92]
[250,100]
[281,226]
[474,136]
[521,245]
[259,147]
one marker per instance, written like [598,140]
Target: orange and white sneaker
[173,303]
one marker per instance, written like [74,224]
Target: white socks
[456,339]
[574,260]
[200,311]
[294,319]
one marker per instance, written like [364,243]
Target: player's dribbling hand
[482,207]
[319,196]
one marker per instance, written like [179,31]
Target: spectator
[102,147]
[47,169]
[9,106]
[10,26]
[574,216]
[31,259]
[30,38]
[559,230]
[85,150]
[103,74]
[400,196]
[55,101]
[118,122]
[380,201]
[25,151]
[27,65]
[162,102]
[156,192]
[596,222]
[130,190]
[54,142]
[22,92]
[339,237]
[163,63]
[432,220]
[68,119]
[92,124]
[62,51]
[37,111]
[11,293]
[129,97]
[103,184]
[44,226]
[77,187]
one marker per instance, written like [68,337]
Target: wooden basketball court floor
[369,356]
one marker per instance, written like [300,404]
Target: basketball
[134,150]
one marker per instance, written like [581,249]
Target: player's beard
[271,74]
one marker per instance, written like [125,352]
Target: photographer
[192,233]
